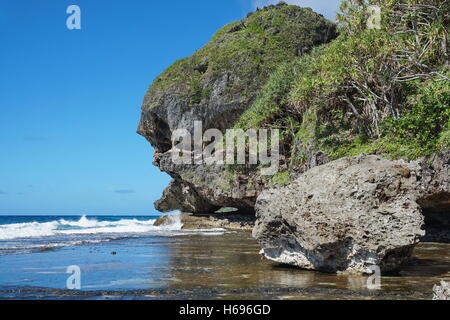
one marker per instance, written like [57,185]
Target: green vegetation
[246,53]
[281,178]
[227,178]
[424,127]
[374,91]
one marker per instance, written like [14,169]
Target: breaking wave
[84,226]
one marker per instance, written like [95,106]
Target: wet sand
[224,266]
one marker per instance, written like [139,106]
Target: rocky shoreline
[327,209]
[354,213]
[225,87]
[285,293]
[347,215]
[227,221]
[442,291]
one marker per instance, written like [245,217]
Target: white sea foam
[90,226]
[80,227]
[27,230]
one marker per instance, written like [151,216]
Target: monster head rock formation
[215,86]
[330,103]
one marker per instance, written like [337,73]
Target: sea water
[27,234]
[131,258]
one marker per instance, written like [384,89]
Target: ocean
[27,234]
[131,258]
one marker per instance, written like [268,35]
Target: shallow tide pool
[199,266]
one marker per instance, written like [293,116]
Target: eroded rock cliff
[325,209]
[215,86]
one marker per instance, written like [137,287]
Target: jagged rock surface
[227,221]
[349,214]
[434,195]
[341,217]
[181,196]
[215,86]
[442,292]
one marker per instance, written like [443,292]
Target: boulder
[344,216]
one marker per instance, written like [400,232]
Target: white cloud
[326,7]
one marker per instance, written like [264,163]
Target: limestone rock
[343,216]
[181,196]
[434,195]
[215,86]
[442,292]
[231,222]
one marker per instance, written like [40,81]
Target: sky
[70,99]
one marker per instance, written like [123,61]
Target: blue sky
[70,99]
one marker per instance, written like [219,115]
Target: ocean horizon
[128,257]
[27,234]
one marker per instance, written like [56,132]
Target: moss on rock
[248,50]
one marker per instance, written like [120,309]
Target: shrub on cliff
[376,91]
[248,51]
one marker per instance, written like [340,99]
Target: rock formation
[442,292]
[352,213]
[434,196]
[266,71]
[227,221]
[215,86]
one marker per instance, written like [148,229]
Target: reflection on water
[232,262]
[204,266]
